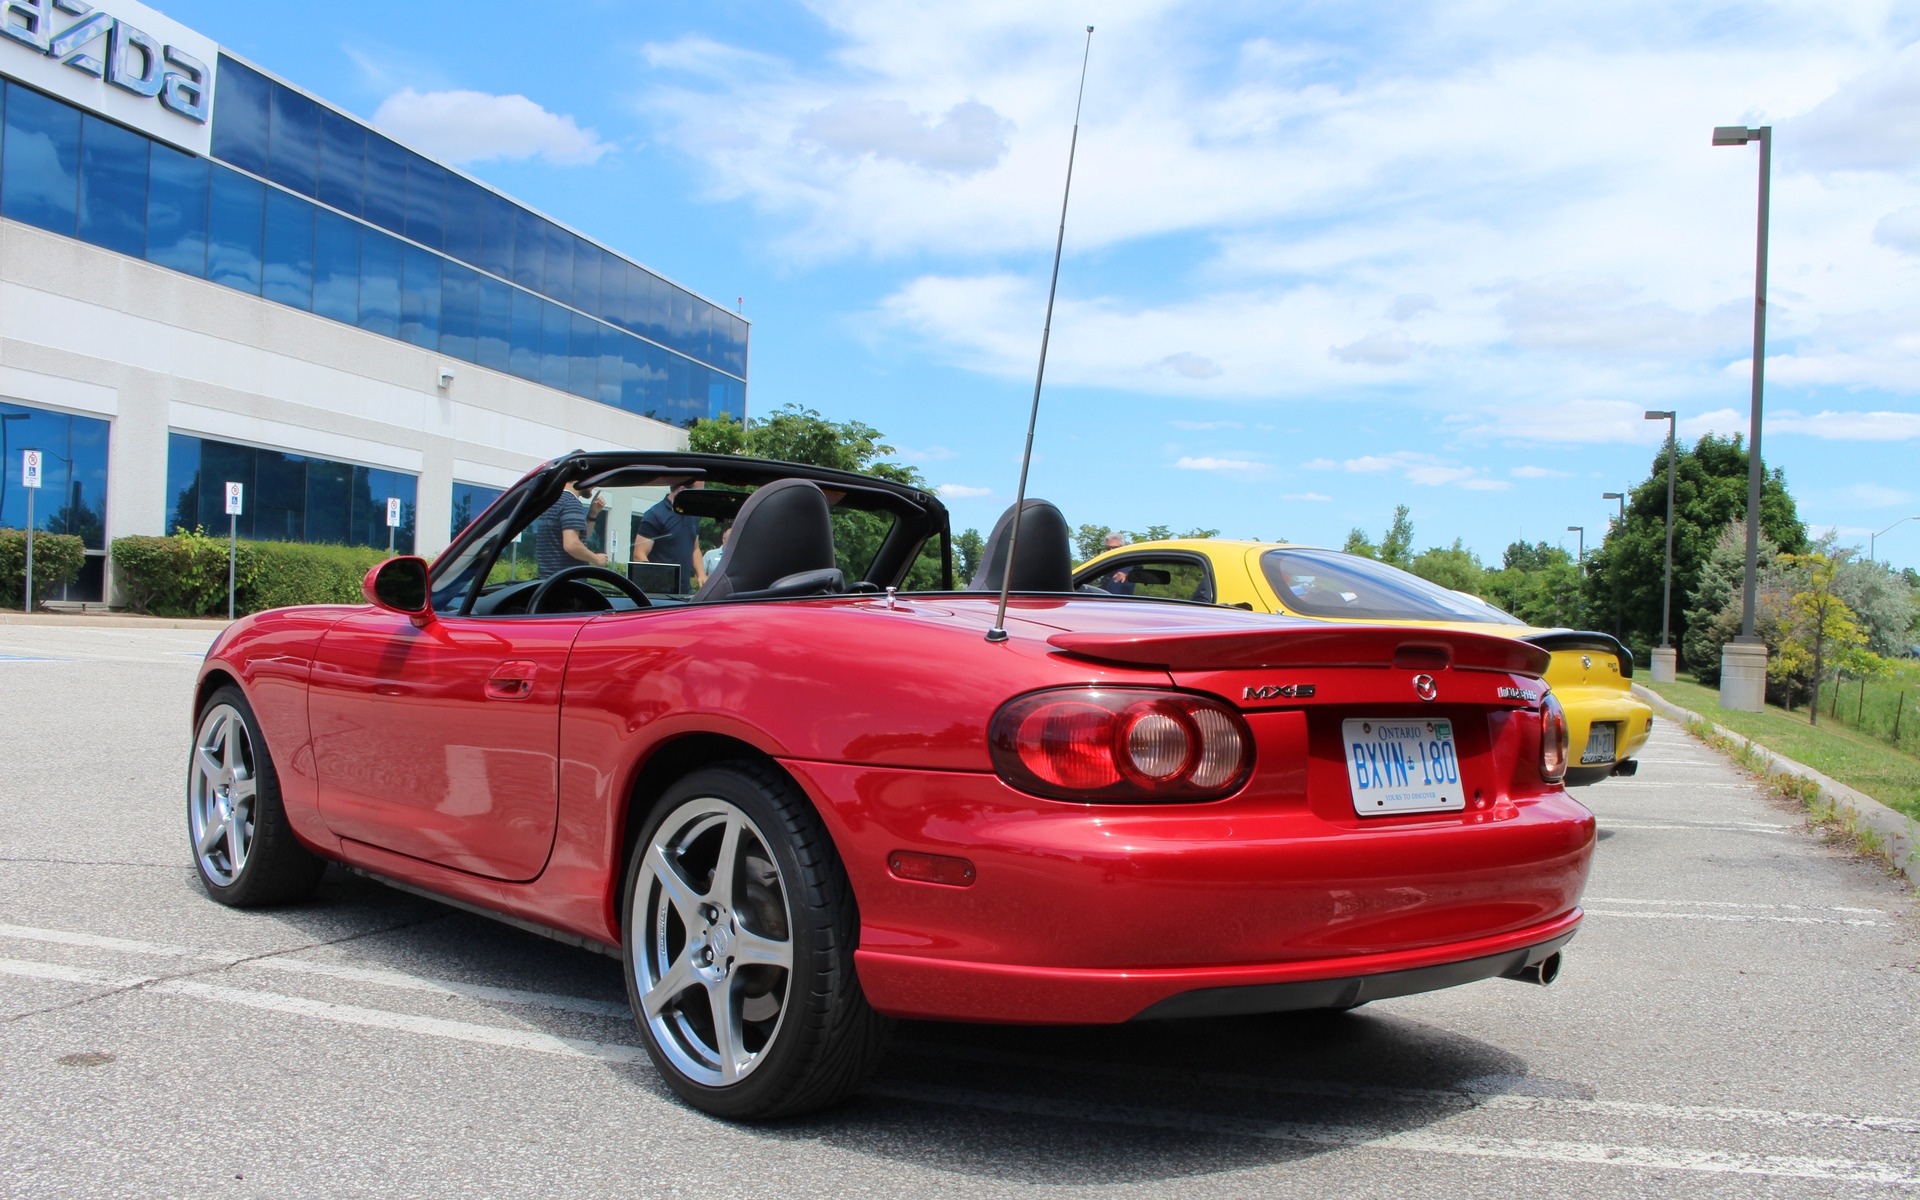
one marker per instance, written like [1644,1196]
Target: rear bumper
[924,988]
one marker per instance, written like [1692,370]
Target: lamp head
[1658,416]
[1576,529]
[1733,135]
[1612,496]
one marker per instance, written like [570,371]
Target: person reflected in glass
[667,536]
[560,534]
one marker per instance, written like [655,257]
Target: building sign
[30,474]
[235,492]
[393,512]
[121,59]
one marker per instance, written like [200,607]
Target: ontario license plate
[1402,765]
[1600,748]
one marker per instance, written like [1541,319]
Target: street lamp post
[1619,526]
[1622,498]
[1743,663]
[1874,537]
[1582,531]
[1665,657]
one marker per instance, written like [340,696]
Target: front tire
[243,848]
[738,932]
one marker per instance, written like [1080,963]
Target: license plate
[1599,744]
[1402,765]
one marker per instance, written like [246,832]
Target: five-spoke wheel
[243,848]
[739,929]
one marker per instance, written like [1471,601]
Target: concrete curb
[112,621]
[1900,832]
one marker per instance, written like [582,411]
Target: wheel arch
[211,682]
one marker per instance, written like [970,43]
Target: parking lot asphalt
[1739,1016]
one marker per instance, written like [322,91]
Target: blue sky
[1323,258]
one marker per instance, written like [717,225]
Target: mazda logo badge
[1424,688]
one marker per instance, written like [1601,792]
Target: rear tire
[244,851]
[738,931]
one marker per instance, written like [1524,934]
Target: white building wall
[91,331]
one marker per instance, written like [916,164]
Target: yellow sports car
[1590,672]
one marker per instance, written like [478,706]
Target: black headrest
[1045,562]
[783,529]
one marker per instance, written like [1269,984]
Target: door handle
[511,681]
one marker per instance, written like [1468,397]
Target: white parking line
[300,966]
[1422,1141]
[1874,912]
[1741,827]
[1730,917]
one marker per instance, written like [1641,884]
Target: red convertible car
[800,801]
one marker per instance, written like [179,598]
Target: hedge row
[186,575]
[57,559]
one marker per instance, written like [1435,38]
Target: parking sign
[233,499]
[30,468]
[393,512]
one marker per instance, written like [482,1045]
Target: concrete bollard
[1666,664]
[1743,676]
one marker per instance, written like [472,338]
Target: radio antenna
[999,631]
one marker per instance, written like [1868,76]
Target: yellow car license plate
[1600,741]
[1402,765]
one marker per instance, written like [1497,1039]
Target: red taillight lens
[1121,744]
[1554,740]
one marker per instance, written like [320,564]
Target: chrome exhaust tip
[1543,972]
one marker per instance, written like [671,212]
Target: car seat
[781,545]
[1046,552]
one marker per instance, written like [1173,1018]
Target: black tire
[825,1040]
[274,867]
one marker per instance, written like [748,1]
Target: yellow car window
[1162,578]
[1330,583]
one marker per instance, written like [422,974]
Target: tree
[1714,603]
[1090,540]
[1454,567]
[1822,631]
[968,551]
[1540,584]
[1359,543]
[1624,574]
[1396,545]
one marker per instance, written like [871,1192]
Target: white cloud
[1192,366]
[1187,463]
[1539,473]
[1409,305]
[1900,230]
[464,126]
[1381,348]
[970,138]
[1604,316]
[1427,470]
[1872,123]
[1319,464]
[1574,421]
[1308,497]
[961,491]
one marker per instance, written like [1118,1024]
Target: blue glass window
[240,116]
[426,202]
[329,502]
[680,327]
[611,373]
[379,283]
[529,249]
[287,273]
[343,162]
[556,346]
[496,235]
[494,345]
[524,359]
[177,210]
[289,497]
[293,151]
[654,400]
[586,276]
[336,267]
[673,406]
[113,187]
[278,496]
[386,188]
[558,281]
[469,501]
[40,160]
[463,219]
[73,498]
[234,228]
[459,311]
[638,297]
[420,298]
[660,310]
[583,369]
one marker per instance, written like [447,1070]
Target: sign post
[30,474]
[234,495]
[393,521]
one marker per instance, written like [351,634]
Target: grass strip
[1860,761]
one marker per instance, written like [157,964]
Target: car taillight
[1120,744]
[1554,740]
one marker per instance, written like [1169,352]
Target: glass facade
[288,497]
[469,501]
[73,495]
[329,217]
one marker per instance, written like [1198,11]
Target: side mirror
[399,585]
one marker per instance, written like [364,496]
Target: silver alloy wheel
[221,789]
[713,949]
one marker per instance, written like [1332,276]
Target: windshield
[1329,583]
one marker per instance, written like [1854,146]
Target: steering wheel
[585,571]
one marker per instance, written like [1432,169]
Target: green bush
[186,574]
[57,559]
[297,573]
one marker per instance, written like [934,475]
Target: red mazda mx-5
[800,799]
